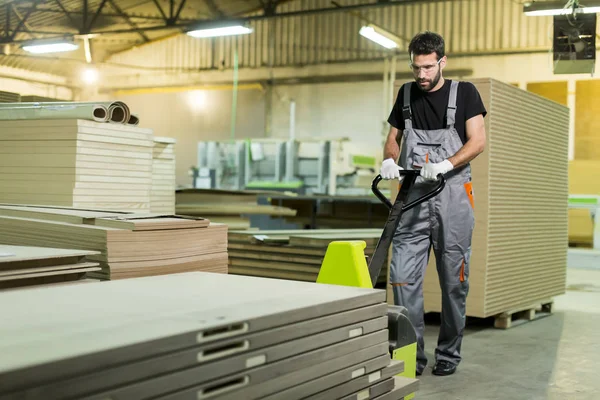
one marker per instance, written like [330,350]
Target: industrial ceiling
[111,26]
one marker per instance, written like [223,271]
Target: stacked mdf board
[75,163]
[162,195]
[198,336]
[25,265]
[519,247]
[129,245]
[334,212]
[230,207]
[291,254]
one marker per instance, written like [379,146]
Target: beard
[430,83]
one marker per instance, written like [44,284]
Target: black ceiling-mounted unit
[574,43]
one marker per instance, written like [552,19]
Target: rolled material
[101,111]
[133,120]
[94,112]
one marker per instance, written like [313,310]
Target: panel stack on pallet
[519,249]
[75,163]
[9,97]
[199,336]
[162,195]
[39,99]
[335,212]
[291,254]
[230,207]
[129,245]
[25,266]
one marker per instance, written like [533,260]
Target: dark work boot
[443,367]
[420,368]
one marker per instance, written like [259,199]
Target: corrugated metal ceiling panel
[469,26]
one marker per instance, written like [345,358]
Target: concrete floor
[556,357]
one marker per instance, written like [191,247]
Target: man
[439,124]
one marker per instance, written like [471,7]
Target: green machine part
[403,341]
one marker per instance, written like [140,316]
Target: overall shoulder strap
[406,111]
[451,113]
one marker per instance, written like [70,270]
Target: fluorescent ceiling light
[545,8]
[56,47]
[379,36]
[222,31]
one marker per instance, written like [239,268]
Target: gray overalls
[446,221]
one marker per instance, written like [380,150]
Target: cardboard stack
[129,245]
[198,336]
[25,265]
[162,195]
[291,254]
[75,163]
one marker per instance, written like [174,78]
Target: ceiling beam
[162,13]
[7,26]
[26,27]
[22,22]
[178,13]
[214,9]
[63,11]
[96,15]
[123,15]
[85,16]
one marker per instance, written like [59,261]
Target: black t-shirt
[429,108]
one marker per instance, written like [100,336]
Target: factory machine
[305,166]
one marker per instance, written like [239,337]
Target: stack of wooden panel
[75,163]
[519,248]
[162,195]
[334,212]
[129,245]
[291,254]
[197,336]
[230,207]
[26,265]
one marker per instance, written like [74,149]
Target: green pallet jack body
[345,264]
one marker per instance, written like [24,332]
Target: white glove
[431,170]
[389,169]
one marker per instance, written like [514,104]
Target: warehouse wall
[27,82]
[192,116]
[329,110]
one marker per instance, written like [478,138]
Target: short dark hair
[427,42]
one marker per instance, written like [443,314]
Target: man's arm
[475,133]
[391,148]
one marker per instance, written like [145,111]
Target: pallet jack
[345,264]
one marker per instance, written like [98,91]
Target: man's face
[427,70]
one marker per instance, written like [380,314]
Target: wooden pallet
[522,315]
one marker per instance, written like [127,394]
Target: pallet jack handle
[380,254]
[413,203]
